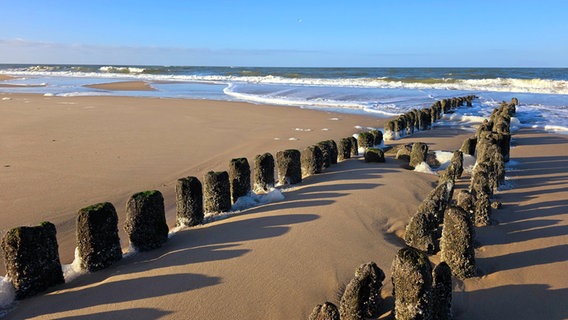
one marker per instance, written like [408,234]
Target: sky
[332,33]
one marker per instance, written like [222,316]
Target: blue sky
[352,33]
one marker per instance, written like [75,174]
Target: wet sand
[123,86]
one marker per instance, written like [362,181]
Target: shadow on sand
[535,180]
[216,242]
[532,301]
[134,313]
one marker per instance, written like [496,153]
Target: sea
[380,92]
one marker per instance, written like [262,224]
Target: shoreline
[334,221]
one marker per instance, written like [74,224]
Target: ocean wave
[514,85]
[556,129]
[384,110]
[498,84]
[127,70]
[287,100]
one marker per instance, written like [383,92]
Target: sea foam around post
[246,202]
[73,270]
[7,295]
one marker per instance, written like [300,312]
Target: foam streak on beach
[66,146]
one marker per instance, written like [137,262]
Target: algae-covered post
[334,152]
[344,149]
[239,177]
[455,169]
[400,125]
[326,311]
[311,160]
[421,231]
[145,223]
[378,136]
[263,172]
[374,155]
[216,192]
[445,103]
[389,130]
[465,201]
[32,259]
[412,285]
[327,153]
[468,146]
[442,292]
[481,189]
[354,146]
[189,202]
[362,296]
[366,140]
[425,119]
[289,166]
[98,242]
[457,243]
[418,153]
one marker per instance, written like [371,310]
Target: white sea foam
[73,271]
[130,251]
[7,295]
[551,116]
[113,69]
[463,118]
[507,185]
[253,200]
[511,164]
[515,124]
[468,163]
[26,85]
[425,168]
[291,101]
[173,231]
[389,136]
[556,129]
[246,202]
[444,157]
[383,110]
[82,94]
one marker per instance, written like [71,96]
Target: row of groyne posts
[31,253]
[442,225]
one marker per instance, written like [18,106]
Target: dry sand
[279,260]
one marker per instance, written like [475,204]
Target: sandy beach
[123,86]
[4,77]
[275,261]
